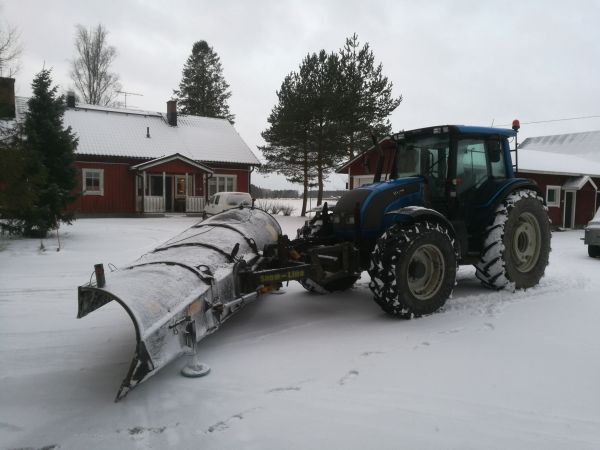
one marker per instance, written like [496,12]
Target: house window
[553,196]
[93,181]
[180,186]
[156,185]
[221,183]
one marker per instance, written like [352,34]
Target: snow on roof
[585,144]
[577,183]
[534,161]
[107,131]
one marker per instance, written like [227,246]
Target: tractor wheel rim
[430,277]
[527,242]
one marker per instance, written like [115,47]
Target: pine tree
[319,74]
[203,90]
[50,162]
[366,96]
[288,142]
[326,111]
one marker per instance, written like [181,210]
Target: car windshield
[236,199]
[426,156]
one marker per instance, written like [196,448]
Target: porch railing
[156,204]
[194,204]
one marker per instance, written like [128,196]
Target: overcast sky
[454,62]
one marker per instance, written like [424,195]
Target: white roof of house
[586,144]
[535,161]
[122,132]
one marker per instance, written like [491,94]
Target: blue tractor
[451,199]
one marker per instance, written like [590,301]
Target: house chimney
[70,99]
[7,98]
[172,112]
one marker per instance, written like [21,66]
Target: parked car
[222,201]
[592,236]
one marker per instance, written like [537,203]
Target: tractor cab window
[477,161]
[426,157]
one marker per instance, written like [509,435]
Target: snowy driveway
[493,370]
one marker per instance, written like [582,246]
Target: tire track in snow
[490,303]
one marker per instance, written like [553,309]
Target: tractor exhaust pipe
[184,289]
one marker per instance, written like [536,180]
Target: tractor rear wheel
[413,269]
[516,245]
[594,251]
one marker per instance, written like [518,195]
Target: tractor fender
[411,214]
[507,188]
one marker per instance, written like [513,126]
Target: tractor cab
[463,171]
[460,166]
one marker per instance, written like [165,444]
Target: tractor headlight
[336,218]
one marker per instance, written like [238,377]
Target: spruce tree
[203,90]
[50,167]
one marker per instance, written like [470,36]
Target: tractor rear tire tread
[497,267]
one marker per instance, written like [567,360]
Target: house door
[569,209]
[169,193]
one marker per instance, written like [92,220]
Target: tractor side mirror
[494,150]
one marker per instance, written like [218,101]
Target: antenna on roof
[125,94]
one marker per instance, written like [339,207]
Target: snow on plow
[184,289]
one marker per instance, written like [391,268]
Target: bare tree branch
[10,51]
[90,69]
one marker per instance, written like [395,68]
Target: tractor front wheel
[413,269]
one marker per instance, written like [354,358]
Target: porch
[173,184]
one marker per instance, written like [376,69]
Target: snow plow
[451,199]
[184,289]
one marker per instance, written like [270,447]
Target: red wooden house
[145,162]
[566,167]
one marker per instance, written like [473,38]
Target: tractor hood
[364,208]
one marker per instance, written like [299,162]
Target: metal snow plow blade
[184,289]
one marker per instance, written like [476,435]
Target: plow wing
[184,289]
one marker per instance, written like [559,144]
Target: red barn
[144,162]
[566,167]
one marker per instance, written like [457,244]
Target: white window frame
[361,180]
[84,173]
[557,190]
[216,177]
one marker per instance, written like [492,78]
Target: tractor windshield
[426,156]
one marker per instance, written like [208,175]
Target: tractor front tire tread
[389,275]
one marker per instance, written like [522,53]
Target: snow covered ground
[493,370]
